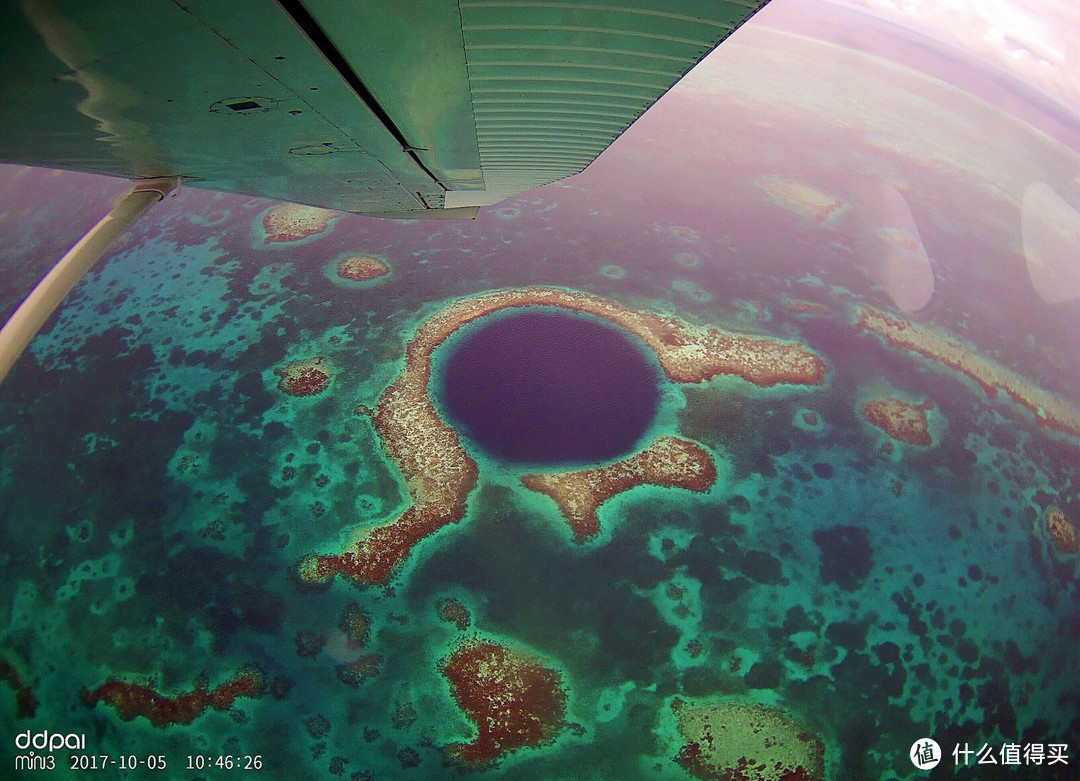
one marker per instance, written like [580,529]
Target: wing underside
[428,107]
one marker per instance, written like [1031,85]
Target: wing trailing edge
[402,109]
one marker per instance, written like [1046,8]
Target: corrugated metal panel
[554,83]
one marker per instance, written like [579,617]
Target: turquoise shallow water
[157,489]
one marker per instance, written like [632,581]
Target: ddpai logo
[49,741]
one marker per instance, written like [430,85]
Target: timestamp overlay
[69,755]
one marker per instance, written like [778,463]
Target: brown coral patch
[304,378]
[1061,530]
[137,699]
[1050,410]
[362,268]
[292,222]
[26,702]
[453,612]
[359,670]
[513,700]
[900,419]
[668,461]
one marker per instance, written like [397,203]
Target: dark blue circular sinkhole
[544,385]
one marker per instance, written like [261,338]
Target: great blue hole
[544,385]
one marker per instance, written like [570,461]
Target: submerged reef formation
[440,474]
[668,461]
[304,378]
[137,699]
[356,626]
[309,644]
[1061,530]
[801,306]
[359,670]
[900,419]
[26,702]
[453,612]
[1049,409]
[513,699]
[293,222]
[748,742]
[847,557]
[362,268]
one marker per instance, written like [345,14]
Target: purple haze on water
[549,387]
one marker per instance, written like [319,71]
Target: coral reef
[514,700]
[900,419]
[802,199]
[356,672]
[304,378]
[453,612]
[1061,530]
[438,472]
[318,726]
[308,644]
[668,461]
[1050,410]
[748,742]
[26,701]
[801,306]
[356,625]
[292,222]
[137,699]
[362,268]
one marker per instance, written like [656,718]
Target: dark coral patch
[356,626]
[763,675]
[26,701]
[848,634]
[356,672]
[308,644]
[761,567]
[967,651]
[846,556]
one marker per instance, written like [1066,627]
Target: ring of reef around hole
[439,474]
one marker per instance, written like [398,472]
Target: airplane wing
[411,108]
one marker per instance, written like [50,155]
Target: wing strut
[50,291]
